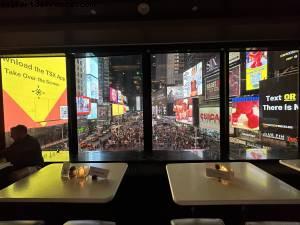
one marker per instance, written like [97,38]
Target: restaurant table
[46,185]
[250,185]
[293,164]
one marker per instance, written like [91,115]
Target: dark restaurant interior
[149,112]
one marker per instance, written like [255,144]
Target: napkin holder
[221,172]
[98,172]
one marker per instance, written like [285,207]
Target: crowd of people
[125,137]
[169,136]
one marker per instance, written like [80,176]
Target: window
[264,114]
[185,103]
[109,104]
[35,95]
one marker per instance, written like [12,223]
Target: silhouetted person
[25,153]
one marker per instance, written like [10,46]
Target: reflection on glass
[109,103]
[263,87]
[185,103]
[35,95]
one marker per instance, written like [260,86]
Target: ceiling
[28,11]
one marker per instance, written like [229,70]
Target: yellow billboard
[256,69]
[34,89]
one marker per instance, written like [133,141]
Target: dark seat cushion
[22,222]
[89,222]
[197,221]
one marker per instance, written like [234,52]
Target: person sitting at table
[24,153]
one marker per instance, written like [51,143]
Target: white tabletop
[293,163]
[250,185]
[46,185]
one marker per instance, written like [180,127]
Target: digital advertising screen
[91,66]
[192,81]
[256,153]
[113,95]
[209,118]
[174,93]
[34,89]
[125,99]
[234,81]
[92,87]
[234,57]
[256,69]
[212,65]
[103,112]
[119,96]
[286,62]
[245,112]
[83,105]
[183,109]
[212,87]
[93,113]
[118,109]
[279,107]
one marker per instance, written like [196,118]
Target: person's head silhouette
[18,132]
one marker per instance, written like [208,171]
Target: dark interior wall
[18,36]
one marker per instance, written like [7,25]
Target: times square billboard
[279,107]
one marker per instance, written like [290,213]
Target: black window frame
[145,51]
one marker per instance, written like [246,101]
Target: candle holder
[222,172]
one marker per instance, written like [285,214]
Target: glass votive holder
[82,171]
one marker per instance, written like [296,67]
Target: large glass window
[185,103]
[35,95]
[109,103]
[264,89]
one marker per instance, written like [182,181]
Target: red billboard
[183,109]
[245,113]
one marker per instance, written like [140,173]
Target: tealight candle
[81,172]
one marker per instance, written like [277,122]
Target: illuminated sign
[118,109]
[83,104]
[113,95]
[93,113]
[234,80]
[279,108]
[209,118]
[174,93]
[245,113]
[183,109]
[256,69]
[212,87]
[34,89]
[192,81]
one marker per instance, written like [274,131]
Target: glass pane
[109,103]
[185,103]
[35,95]
[264,88]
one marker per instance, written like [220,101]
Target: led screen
[118,109]
[209,118]
[183,109]
[174,93]
[192,81]
[92,66]
[83,105]
[245,113]
[92,89]
[256,69]
[234,80]
[279,107]
[40,94]
[119,96]
[93,113]
[113,95]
